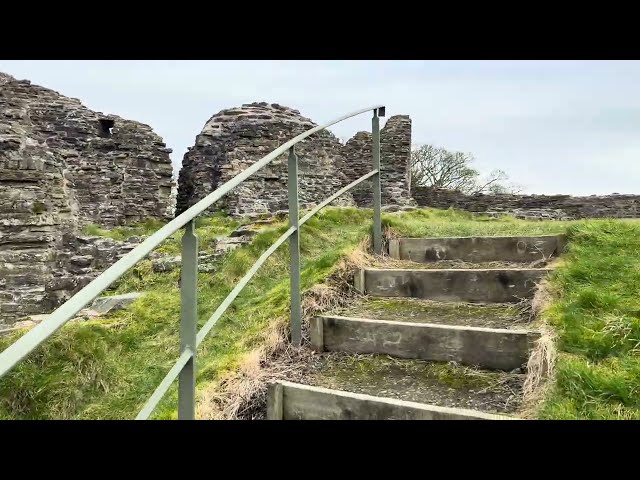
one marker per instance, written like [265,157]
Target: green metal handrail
[190,339]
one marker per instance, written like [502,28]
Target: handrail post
[377,196]
[294,250]
[189,322]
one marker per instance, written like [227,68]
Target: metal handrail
[184,367]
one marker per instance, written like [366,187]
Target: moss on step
[435,383]
[445,313]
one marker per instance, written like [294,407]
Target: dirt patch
[442,384]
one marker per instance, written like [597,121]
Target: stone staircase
[444,334]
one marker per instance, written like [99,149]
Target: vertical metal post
[377,196]
[294,249]
[189,322]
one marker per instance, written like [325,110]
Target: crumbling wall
[558,207]
[395,156]
[61,168]
[234,139]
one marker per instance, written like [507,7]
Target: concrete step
[295,401]
[525,249]
[500,285]
[493,348]
[443,384]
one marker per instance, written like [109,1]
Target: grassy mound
[107,368]
[596,314]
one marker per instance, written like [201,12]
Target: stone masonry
[234,139]
[557,207]
[63,166]
[395,153]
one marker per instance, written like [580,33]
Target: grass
[107,368]
[208,228]
[123,233]
[121,359]
[455,223]
[596,313]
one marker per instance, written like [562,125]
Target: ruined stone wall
[395,154]
[60,168]
[559,207]
[234,139]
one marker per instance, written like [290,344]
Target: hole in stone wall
[106,124]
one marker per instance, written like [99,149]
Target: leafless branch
[437,167]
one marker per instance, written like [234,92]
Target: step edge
[472,414]
[377,269]
[431,325]
[560,236]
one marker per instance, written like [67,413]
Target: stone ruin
[533,207]
[395,163]
[235,138]
[63,166]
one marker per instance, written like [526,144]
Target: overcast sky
[553,126]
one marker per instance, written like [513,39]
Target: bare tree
[438,167]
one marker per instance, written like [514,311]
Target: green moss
[377,370]
[38,208]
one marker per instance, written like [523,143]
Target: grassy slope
[597,318]
[108,368]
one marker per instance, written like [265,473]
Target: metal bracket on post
[377,194]
[189,322]
[294,250]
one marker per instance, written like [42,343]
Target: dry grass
[540,367]
[389,233]
[241,394]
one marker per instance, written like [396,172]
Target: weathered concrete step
[445,384]
[483,347]
[456,264]
[451,285]
[294,401]
[477,249]
[405,309]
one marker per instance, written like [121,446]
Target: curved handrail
[165,384]
[28,342]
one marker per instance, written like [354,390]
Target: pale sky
[553,126]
